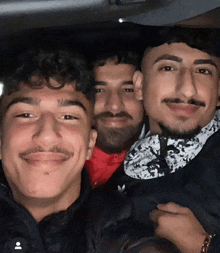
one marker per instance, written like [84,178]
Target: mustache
[52,150]
[179,101]
[111,115]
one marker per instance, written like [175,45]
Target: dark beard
[175,134]
[115,141]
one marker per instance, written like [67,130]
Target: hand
[178,225]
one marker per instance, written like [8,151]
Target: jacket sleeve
[129,237]
[196,186]
[214,245]
[113,230]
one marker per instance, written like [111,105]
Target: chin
[179,133]
[35,193]
[41,190]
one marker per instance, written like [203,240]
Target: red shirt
[101,165]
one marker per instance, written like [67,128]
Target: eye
[98,90]
[69,117]
[205,71]
[167,68]
[24,115]
[129,90]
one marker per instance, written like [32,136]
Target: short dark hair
[120,57]
[204,39]
[36,68]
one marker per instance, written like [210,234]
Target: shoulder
[111,227]
[110,205]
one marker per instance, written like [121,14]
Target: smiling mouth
[114,121]
[183,109]
[45,158]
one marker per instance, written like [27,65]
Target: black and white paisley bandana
[144,161]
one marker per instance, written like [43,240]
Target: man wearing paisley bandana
[178,160]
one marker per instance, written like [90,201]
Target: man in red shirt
[118,114]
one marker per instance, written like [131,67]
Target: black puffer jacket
[96,222]
[197,186]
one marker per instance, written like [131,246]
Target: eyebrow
[36,102]
[69,102]
[205,61]
[105,83]
[100,83]
[168,57]
[128,82]
[26,100]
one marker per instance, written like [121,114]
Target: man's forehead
[178,52]
[36,97]
[114,71]
[175,48]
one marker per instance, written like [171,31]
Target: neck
[154,128]
[39,208]
[109,152]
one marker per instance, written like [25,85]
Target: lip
[183,109]
[114,121]
[45,158]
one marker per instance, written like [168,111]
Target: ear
[92,141]
[138,84]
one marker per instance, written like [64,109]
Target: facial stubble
[117,140]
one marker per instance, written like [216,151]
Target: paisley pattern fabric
[144,160]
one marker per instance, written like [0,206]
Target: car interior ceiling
[88,25]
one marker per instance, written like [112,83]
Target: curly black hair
[35,69]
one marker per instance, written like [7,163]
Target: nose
[114,102]
[186,84]
[47,133]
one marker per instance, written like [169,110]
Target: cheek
[100,101]
[152,102]
[159,85]
[76,136]
[154,91]
[135,108]
[99,104]
[16,136]
[150,95]
[208,94]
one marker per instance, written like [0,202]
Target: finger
[154,215]
[171,207]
